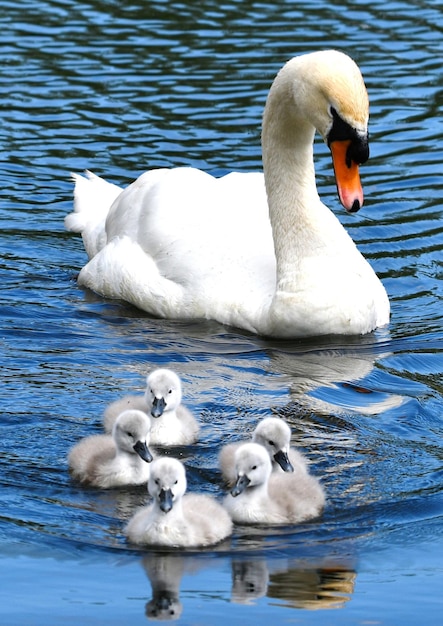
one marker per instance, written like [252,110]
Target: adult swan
[258,252]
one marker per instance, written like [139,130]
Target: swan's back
[178,243]
[184,207]
[161,234]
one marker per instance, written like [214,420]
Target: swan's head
[252,467]
[163,391]
[326,91]
[274,434]
[131,433]
[167,482]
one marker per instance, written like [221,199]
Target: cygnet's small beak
[281,457]
[241,484]
[143,451]
[158,406]
[165,500]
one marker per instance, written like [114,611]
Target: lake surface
[119,87]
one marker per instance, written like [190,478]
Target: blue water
[122,86]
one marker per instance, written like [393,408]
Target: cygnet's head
[167,482]
[250,580]
[252,467]
[163,391]
[275,435]
[131,433]
[164,606]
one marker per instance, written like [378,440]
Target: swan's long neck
[287,144]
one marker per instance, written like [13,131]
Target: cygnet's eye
[176,482]
[170,391]
[129,433]
[254,467]
[271,443]
[157,481]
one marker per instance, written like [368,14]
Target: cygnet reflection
[323,587]
[165,572]
[294,585]
[249,580]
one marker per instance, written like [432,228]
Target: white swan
[261,253]
[175,519]
[274,434]
[172,424]
[118,460]
[261,498]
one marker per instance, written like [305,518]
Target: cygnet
[261,498]
[175,519]
[172,424]
[274,434]
[115,460]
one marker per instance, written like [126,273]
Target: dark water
[122,86]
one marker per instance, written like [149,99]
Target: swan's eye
[254,467]
[176,482]
[157,481]
[170,391]
[129,433]
[271,443]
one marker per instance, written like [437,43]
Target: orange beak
[347,177]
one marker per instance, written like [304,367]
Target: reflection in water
[299,586]
[250,580]
[331,379]
[296,584]
[316,588]
[343,375]
[165,573]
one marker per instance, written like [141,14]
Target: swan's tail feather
[93,198]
